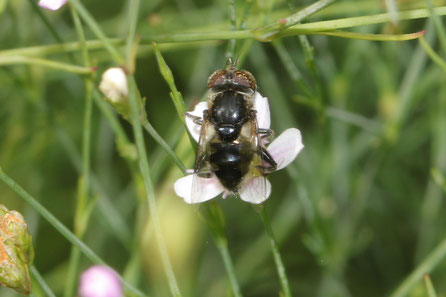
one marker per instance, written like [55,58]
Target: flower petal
[285,148]
[256,190]
[52,4]
[209,188]
[195,129]
[261,105]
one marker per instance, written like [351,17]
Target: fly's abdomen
[230,162]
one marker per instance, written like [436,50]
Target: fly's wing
[204,185]
[255,188]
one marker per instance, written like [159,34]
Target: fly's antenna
[236,62]
[230,64]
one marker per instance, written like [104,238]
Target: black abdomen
[230,162]
[229,113]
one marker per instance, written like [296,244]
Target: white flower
[284,149]
[100,281]
[52,4]
[114,84]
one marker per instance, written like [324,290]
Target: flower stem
[429,263]
[149,128]
[271,30]
[149,189]
[83,204]
[215,220]
[429,286]
[432,54]
[276,253]
[232,16]
[222,246]
[90,21]
[45,20]
[299,29]
[92,256]
[12,60]
[132,21]
[36,275]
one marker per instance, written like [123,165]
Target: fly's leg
[195,119]
[198,165]
[270,165]
[265,133]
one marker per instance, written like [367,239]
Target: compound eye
[216,78]
[244,78]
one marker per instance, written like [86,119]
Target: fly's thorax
[228,112]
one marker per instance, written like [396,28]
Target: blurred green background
[356,212]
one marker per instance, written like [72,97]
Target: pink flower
[100,281]
[284,149]
[52,4]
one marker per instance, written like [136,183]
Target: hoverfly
[230,144]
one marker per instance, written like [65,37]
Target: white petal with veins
[193,128]
[285,148]
[256,190]
[263,114]
[52,4]
[210,188]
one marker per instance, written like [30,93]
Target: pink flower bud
[100,281]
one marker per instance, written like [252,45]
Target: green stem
[432,54]
[291,68]
[45,20]
[149,189]
[96,29]
[149,128]
[125,147]
[12,60]
[270,30]
[50,218]
[36,275]
[430,262]
[232,17]
[276,253]
[429,286]
[364,20]
[133,18]
[307,28]
[83,205]
[72,273]
[45,50]
[222,246]
[365,36]
[215,220]
[439,27]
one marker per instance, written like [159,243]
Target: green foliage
[359,213]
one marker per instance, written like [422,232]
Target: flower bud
[52,4]
[115,88]
[16,251]
[114,85]
[100,281]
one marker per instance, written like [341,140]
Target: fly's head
[232,78]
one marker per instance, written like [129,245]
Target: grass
[359,213]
